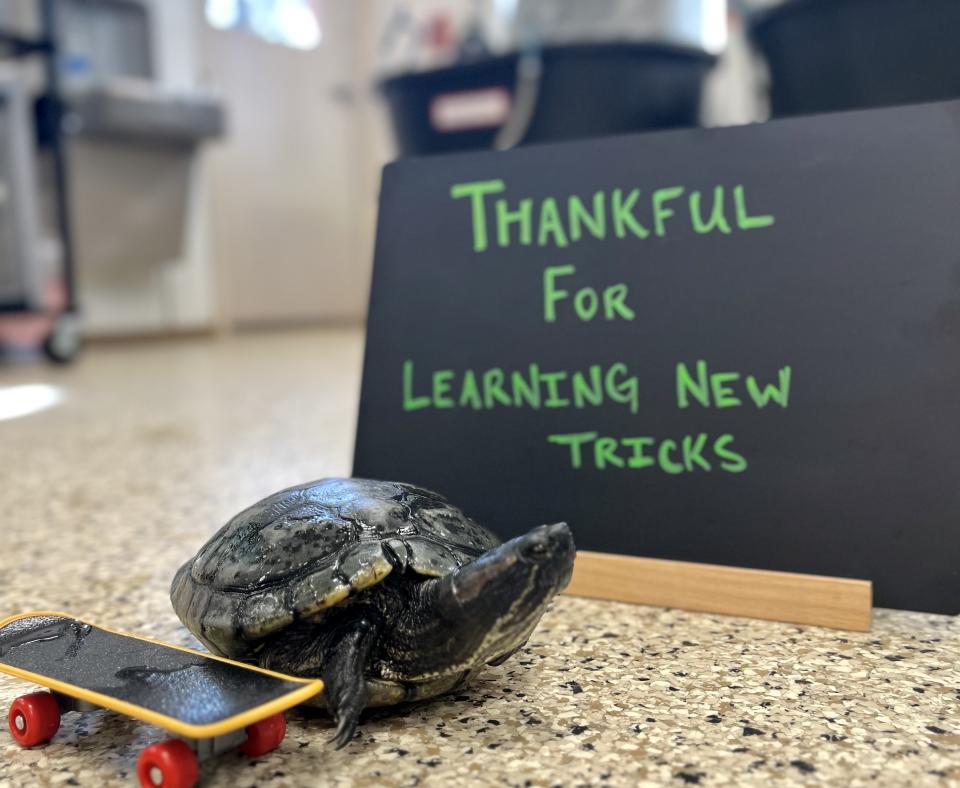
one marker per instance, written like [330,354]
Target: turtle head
[494,602]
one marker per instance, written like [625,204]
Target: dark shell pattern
[303,550]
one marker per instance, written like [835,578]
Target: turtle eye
[536,549]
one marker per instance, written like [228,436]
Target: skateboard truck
[86,668]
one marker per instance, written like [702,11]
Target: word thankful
[537,388]
[618,213]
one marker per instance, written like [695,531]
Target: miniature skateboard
[209,703]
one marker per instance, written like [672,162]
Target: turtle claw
[344,685]
[346,727]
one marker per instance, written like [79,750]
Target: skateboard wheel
[265,735]
[171,764]
[34,718]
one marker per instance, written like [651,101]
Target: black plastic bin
[584,91]
[827,55]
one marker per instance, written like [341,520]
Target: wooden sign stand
[834,602]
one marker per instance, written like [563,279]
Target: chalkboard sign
[736,346]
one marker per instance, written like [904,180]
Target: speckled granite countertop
[155,446]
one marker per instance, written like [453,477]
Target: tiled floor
[154,446]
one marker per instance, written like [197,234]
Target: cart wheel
[265,735]
[170,763]
[34,718]
[62,345]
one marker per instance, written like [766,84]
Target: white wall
[295,184]
[288,192]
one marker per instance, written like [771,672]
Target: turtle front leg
[343,674]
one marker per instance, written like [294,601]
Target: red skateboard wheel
[171,764]
[34,718]
[265,735]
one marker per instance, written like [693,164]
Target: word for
[533,388]
[619,213]
[690,453]
[586,301]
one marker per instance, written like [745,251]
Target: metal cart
[22,287]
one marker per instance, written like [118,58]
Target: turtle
[384,590]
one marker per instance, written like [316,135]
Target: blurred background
[196,167]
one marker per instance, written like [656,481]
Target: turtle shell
[305,549]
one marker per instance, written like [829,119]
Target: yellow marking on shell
[262,614]
[317,592]
[334,597]
[371,573]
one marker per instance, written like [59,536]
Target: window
[292,23]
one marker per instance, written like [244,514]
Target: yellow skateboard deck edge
[310,688]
